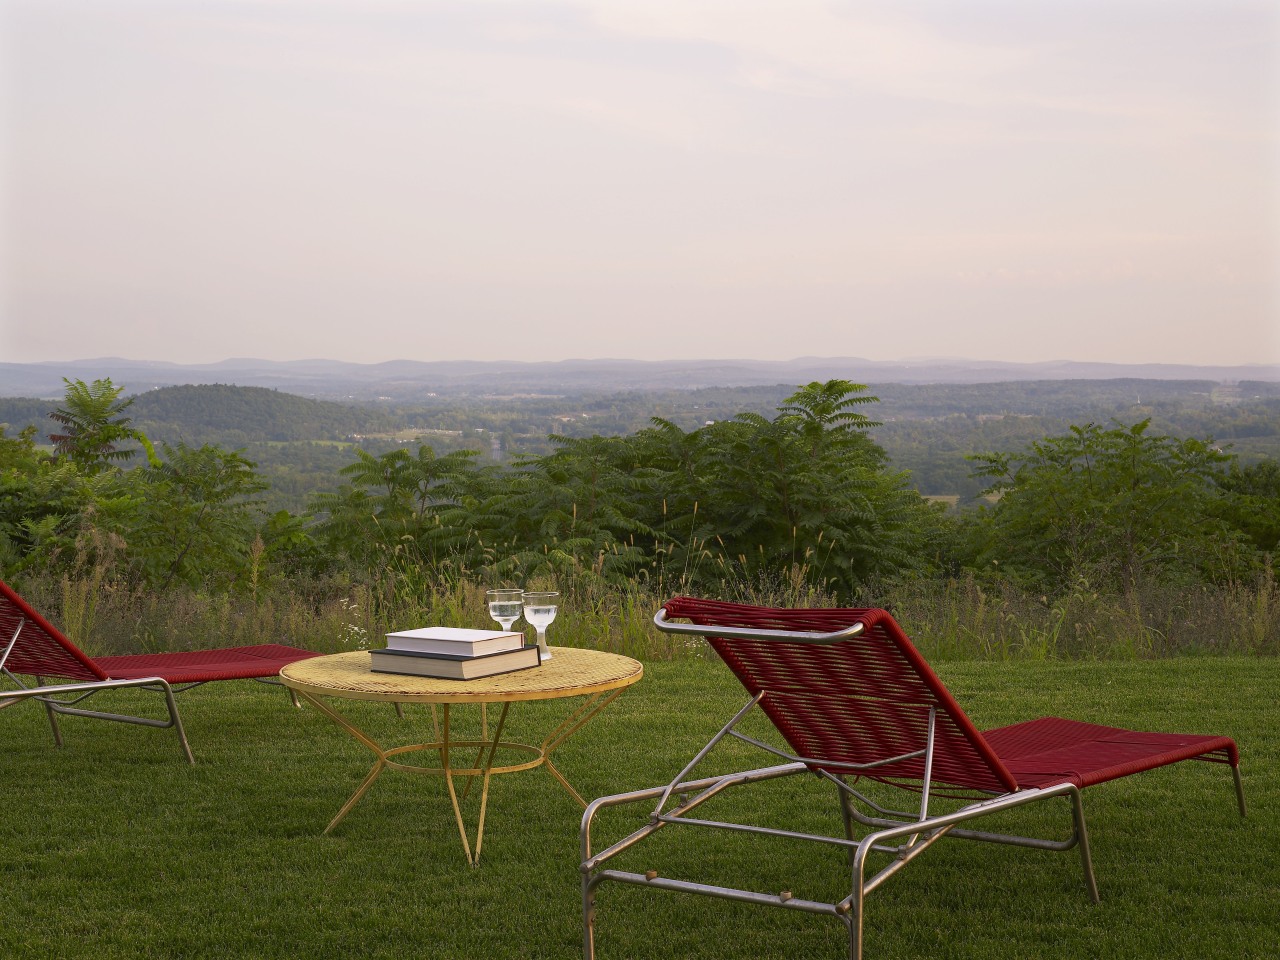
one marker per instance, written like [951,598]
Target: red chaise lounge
[855,701]
[31,646]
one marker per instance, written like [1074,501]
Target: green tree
[402,508]
[1252,504]
[804,492]
[93,418]
[53,514]
[1108,505]
[196,521]
[569,513]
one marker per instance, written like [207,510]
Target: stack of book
[453,653]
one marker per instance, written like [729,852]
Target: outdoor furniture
[854,700]
[598,676]
[34,647]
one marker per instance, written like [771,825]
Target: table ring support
[483,768]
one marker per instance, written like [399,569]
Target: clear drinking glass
[504,606]
[540,610]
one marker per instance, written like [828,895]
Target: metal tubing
[901,817]
[275,682]
[588,918]
[1235,773]
[1006,802]
[1013,840]
[856,903]
[928,772]
[618,799]
[84,686]
[850,910]
[763,831]
[809,761]
[52,714]
[724,893]
[743,633]
[705,750]
[845,788]
[905,855]
[8,648]
[846,814]
[86,689]
[1082,834]
[177,722]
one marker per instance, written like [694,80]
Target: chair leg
[1082,837]
[53,722]
[588,919]
[175,719]
[52,714]
[857,900]
[854,924]
[847,816]
[1235,773]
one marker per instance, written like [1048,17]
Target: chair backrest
[41,649]
[861,700]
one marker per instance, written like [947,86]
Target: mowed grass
[114,847]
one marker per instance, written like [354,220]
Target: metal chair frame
[51,696]
[87,677]
[901,835]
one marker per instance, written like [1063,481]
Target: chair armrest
[746,633]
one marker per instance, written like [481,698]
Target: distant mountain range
[407,380]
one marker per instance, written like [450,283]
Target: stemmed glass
[540,610]
[504,606]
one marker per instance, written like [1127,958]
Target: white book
[454,641]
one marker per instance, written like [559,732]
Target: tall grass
[963,619]
[956,619]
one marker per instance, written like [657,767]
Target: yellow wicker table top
[571,672]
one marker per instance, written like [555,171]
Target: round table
[571,672]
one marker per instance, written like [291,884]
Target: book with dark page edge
[445,667]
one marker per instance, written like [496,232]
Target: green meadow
[116,848]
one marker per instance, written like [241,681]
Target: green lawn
[114,847]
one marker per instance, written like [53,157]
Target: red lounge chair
[34,647]
[854,700]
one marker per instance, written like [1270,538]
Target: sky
[368,180]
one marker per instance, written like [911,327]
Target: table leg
[378,766]
[572,724]
[484,789]
[484,735]
[453,794]
[485,773]
[484,763]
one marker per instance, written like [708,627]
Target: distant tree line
[803,496]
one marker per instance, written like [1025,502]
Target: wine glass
[540,610]
[504,606]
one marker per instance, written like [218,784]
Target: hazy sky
[368,180]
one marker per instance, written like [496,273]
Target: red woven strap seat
[1040,753]
[868,698]
[855,702]
[199,666]
[43,651]
[31,646]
